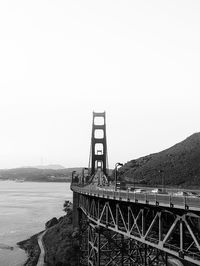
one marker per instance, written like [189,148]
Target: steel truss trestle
[126,233]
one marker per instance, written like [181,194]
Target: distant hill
[39,175]
[177,166]
[50,166]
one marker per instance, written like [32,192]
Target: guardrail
[165,200]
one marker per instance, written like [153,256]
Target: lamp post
[83,174]
[73,172]
[163,179]
[116,166]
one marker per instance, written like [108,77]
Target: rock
[60,219]
[32,249]
[75,233]
[51,222]
[3,246]
[61,243]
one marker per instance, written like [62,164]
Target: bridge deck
[165,200]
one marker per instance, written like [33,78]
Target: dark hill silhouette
[178,165]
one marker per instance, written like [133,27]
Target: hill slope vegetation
[178,165]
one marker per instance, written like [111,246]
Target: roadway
[170,200]
[42,252]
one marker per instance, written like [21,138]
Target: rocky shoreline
[31,248]
[60,242]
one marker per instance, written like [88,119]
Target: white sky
[61,59]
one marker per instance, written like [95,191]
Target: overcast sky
[61,59]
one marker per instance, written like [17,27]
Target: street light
[116,166]
[73,172]
[163,179]
[83,174]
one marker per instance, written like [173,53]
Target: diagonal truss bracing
[171,231]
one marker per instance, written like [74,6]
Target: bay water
[25,207]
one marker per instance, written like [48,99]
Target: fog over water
[24,209]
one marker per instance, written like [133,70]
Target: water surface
[24,209]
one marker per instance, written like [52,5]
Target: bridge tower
[98,154]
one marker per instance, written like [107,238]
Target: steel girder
[106,248]
[151,232]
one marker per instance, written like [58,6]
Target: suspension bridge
[123,227]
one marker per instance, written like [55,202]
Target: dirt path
[42,252]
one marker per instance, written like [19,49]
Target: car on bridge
[131,189]
[181,193]
[159,191]
[193,194]
[156,190]
[139,190]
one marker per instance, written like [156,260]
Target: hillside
[178,166]
[61,243]
[39,175]
[50,166]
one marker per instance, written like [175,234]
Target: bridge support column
[166,259]
[99,248]
[122,250]
[181,253]
[145,255]
[75,210]
[198,225]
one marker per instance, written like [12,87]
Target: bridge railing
[166,200]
